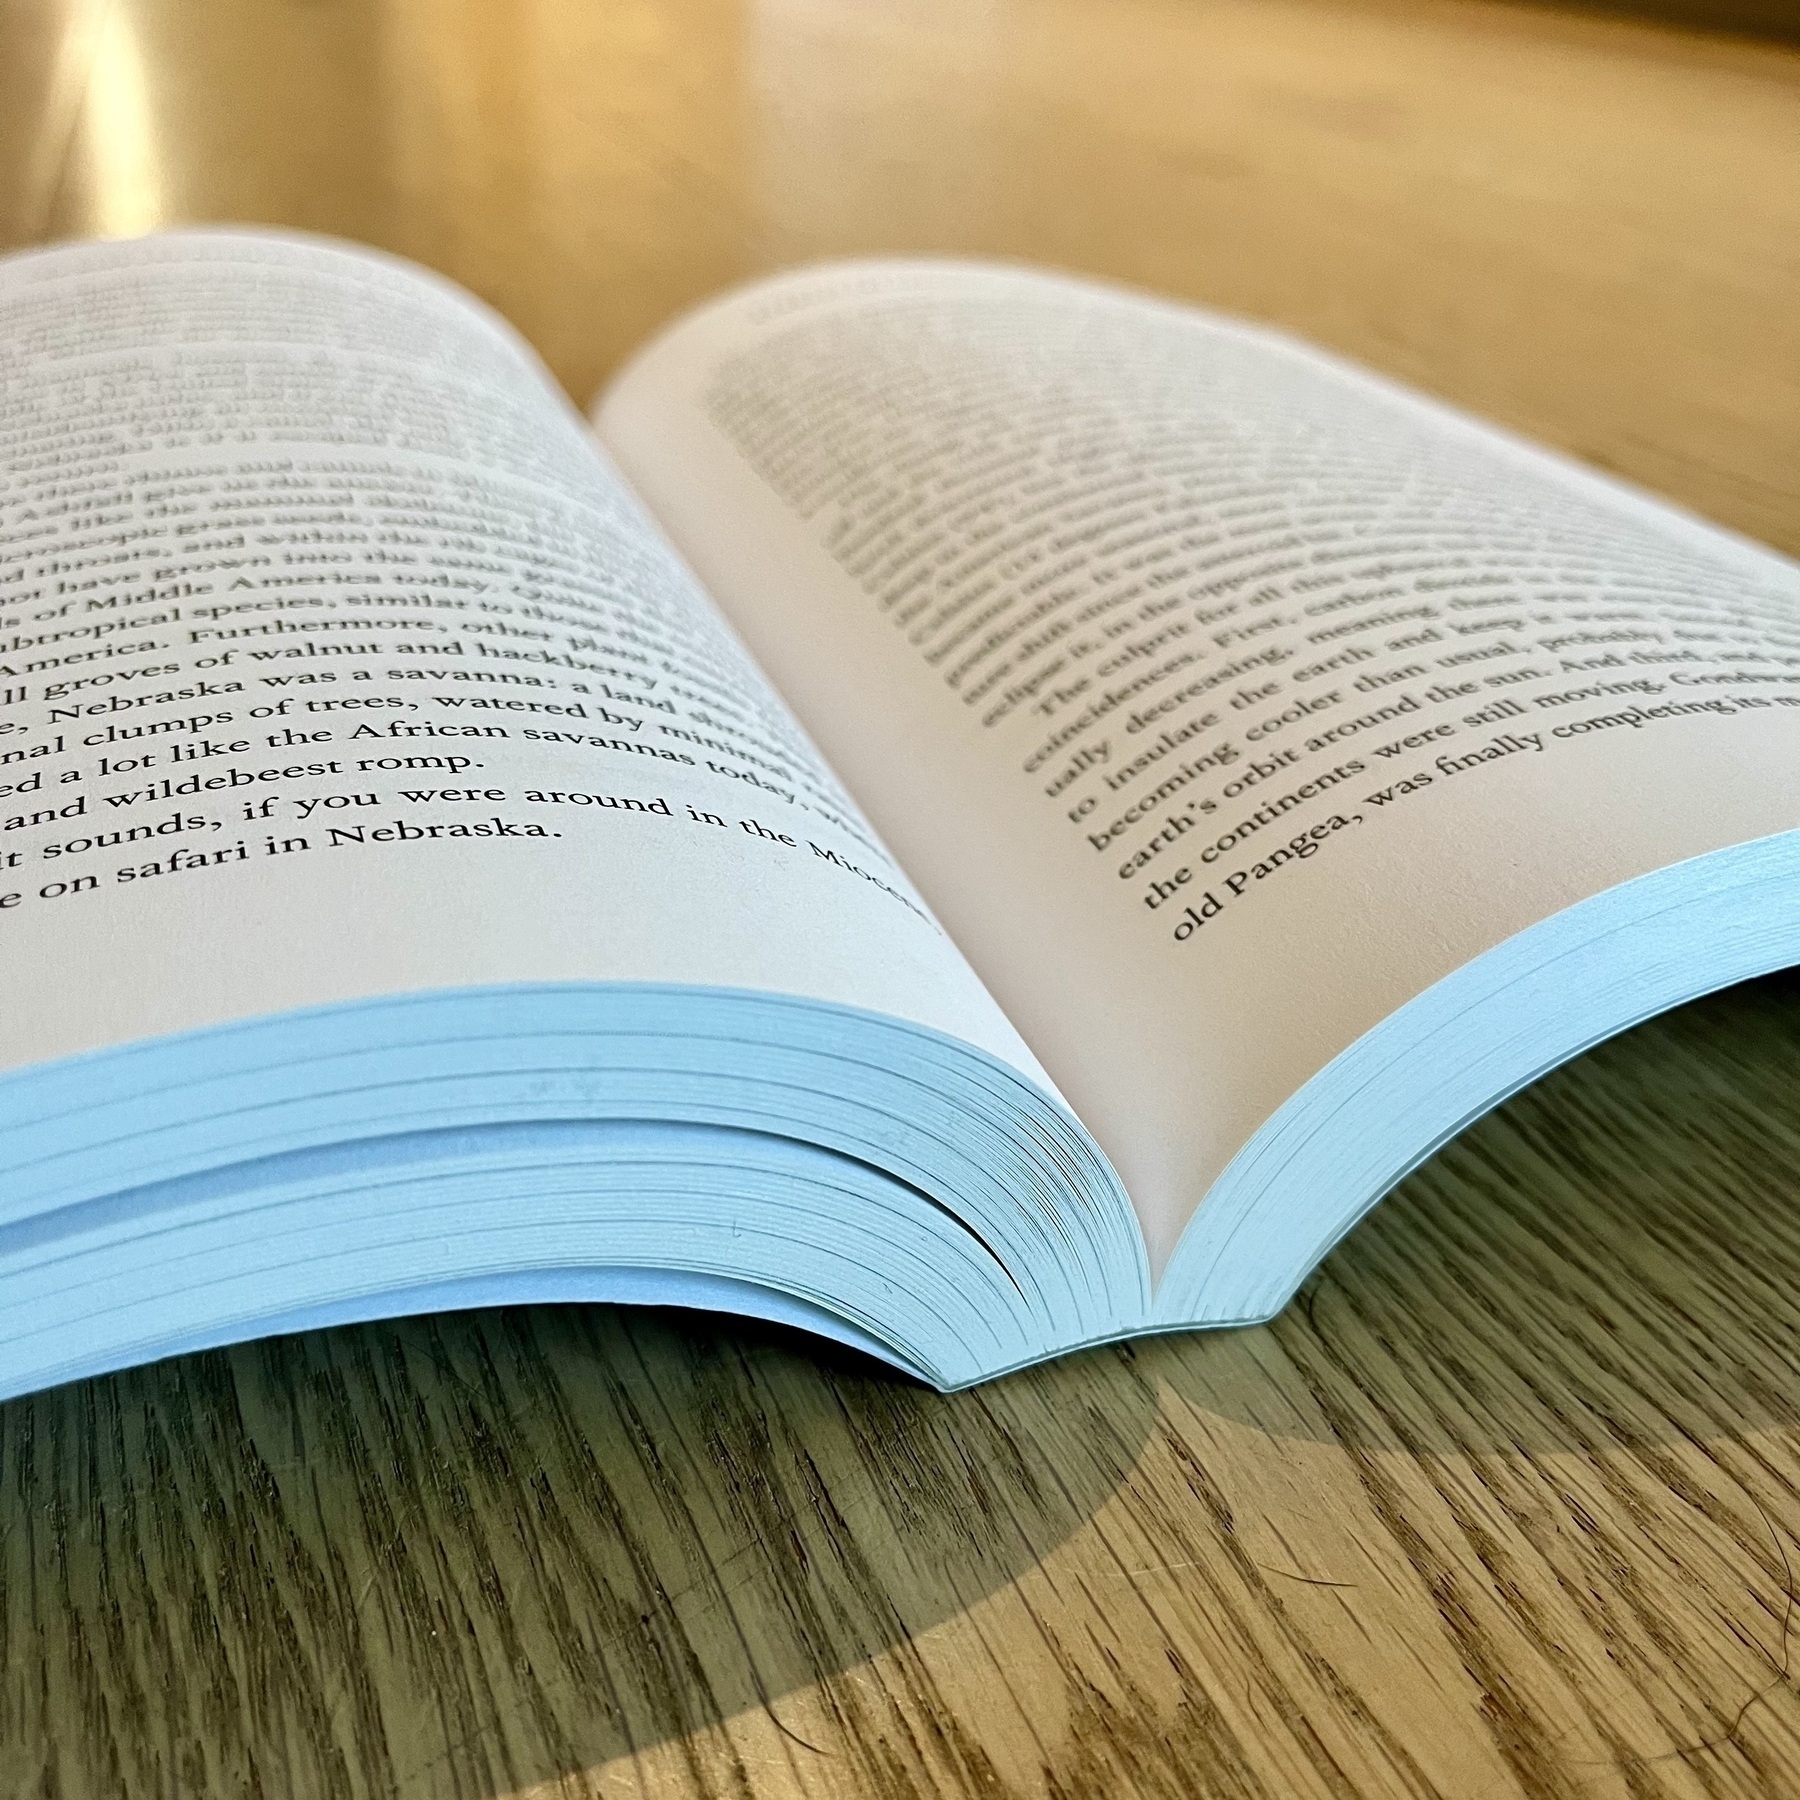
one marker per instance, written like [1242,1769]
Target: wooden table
[1507,1503]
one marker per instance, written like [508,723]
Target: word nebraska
[404,831]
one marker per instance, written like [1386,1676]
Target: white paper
[1219,698]
[335,662]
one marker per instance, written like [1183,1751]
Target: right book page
[1220,697]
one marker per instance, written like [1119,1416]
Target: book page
[1219,697]
[335,662]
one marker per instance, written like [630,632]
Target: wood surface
[1507,1503]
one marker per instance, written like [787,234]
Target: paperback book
[966,810]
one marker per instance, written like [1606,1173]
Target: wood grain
[1507,1504]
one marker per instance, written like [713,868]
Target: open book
[972,812]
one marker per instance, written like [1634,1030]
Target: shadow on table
[1612,1259]
[1774,19]
[476,1553]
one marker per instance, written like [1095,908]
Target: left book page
[411,893]
[334,662]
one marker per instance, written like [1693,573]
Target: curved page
[512,1142]
[336,664]
[1229,697]
[1382,1106]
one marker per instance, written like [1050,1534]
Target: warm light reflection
[126,196]
[875,123]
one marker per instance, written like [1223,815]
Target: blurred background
[1584,222]
[1534,1411]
